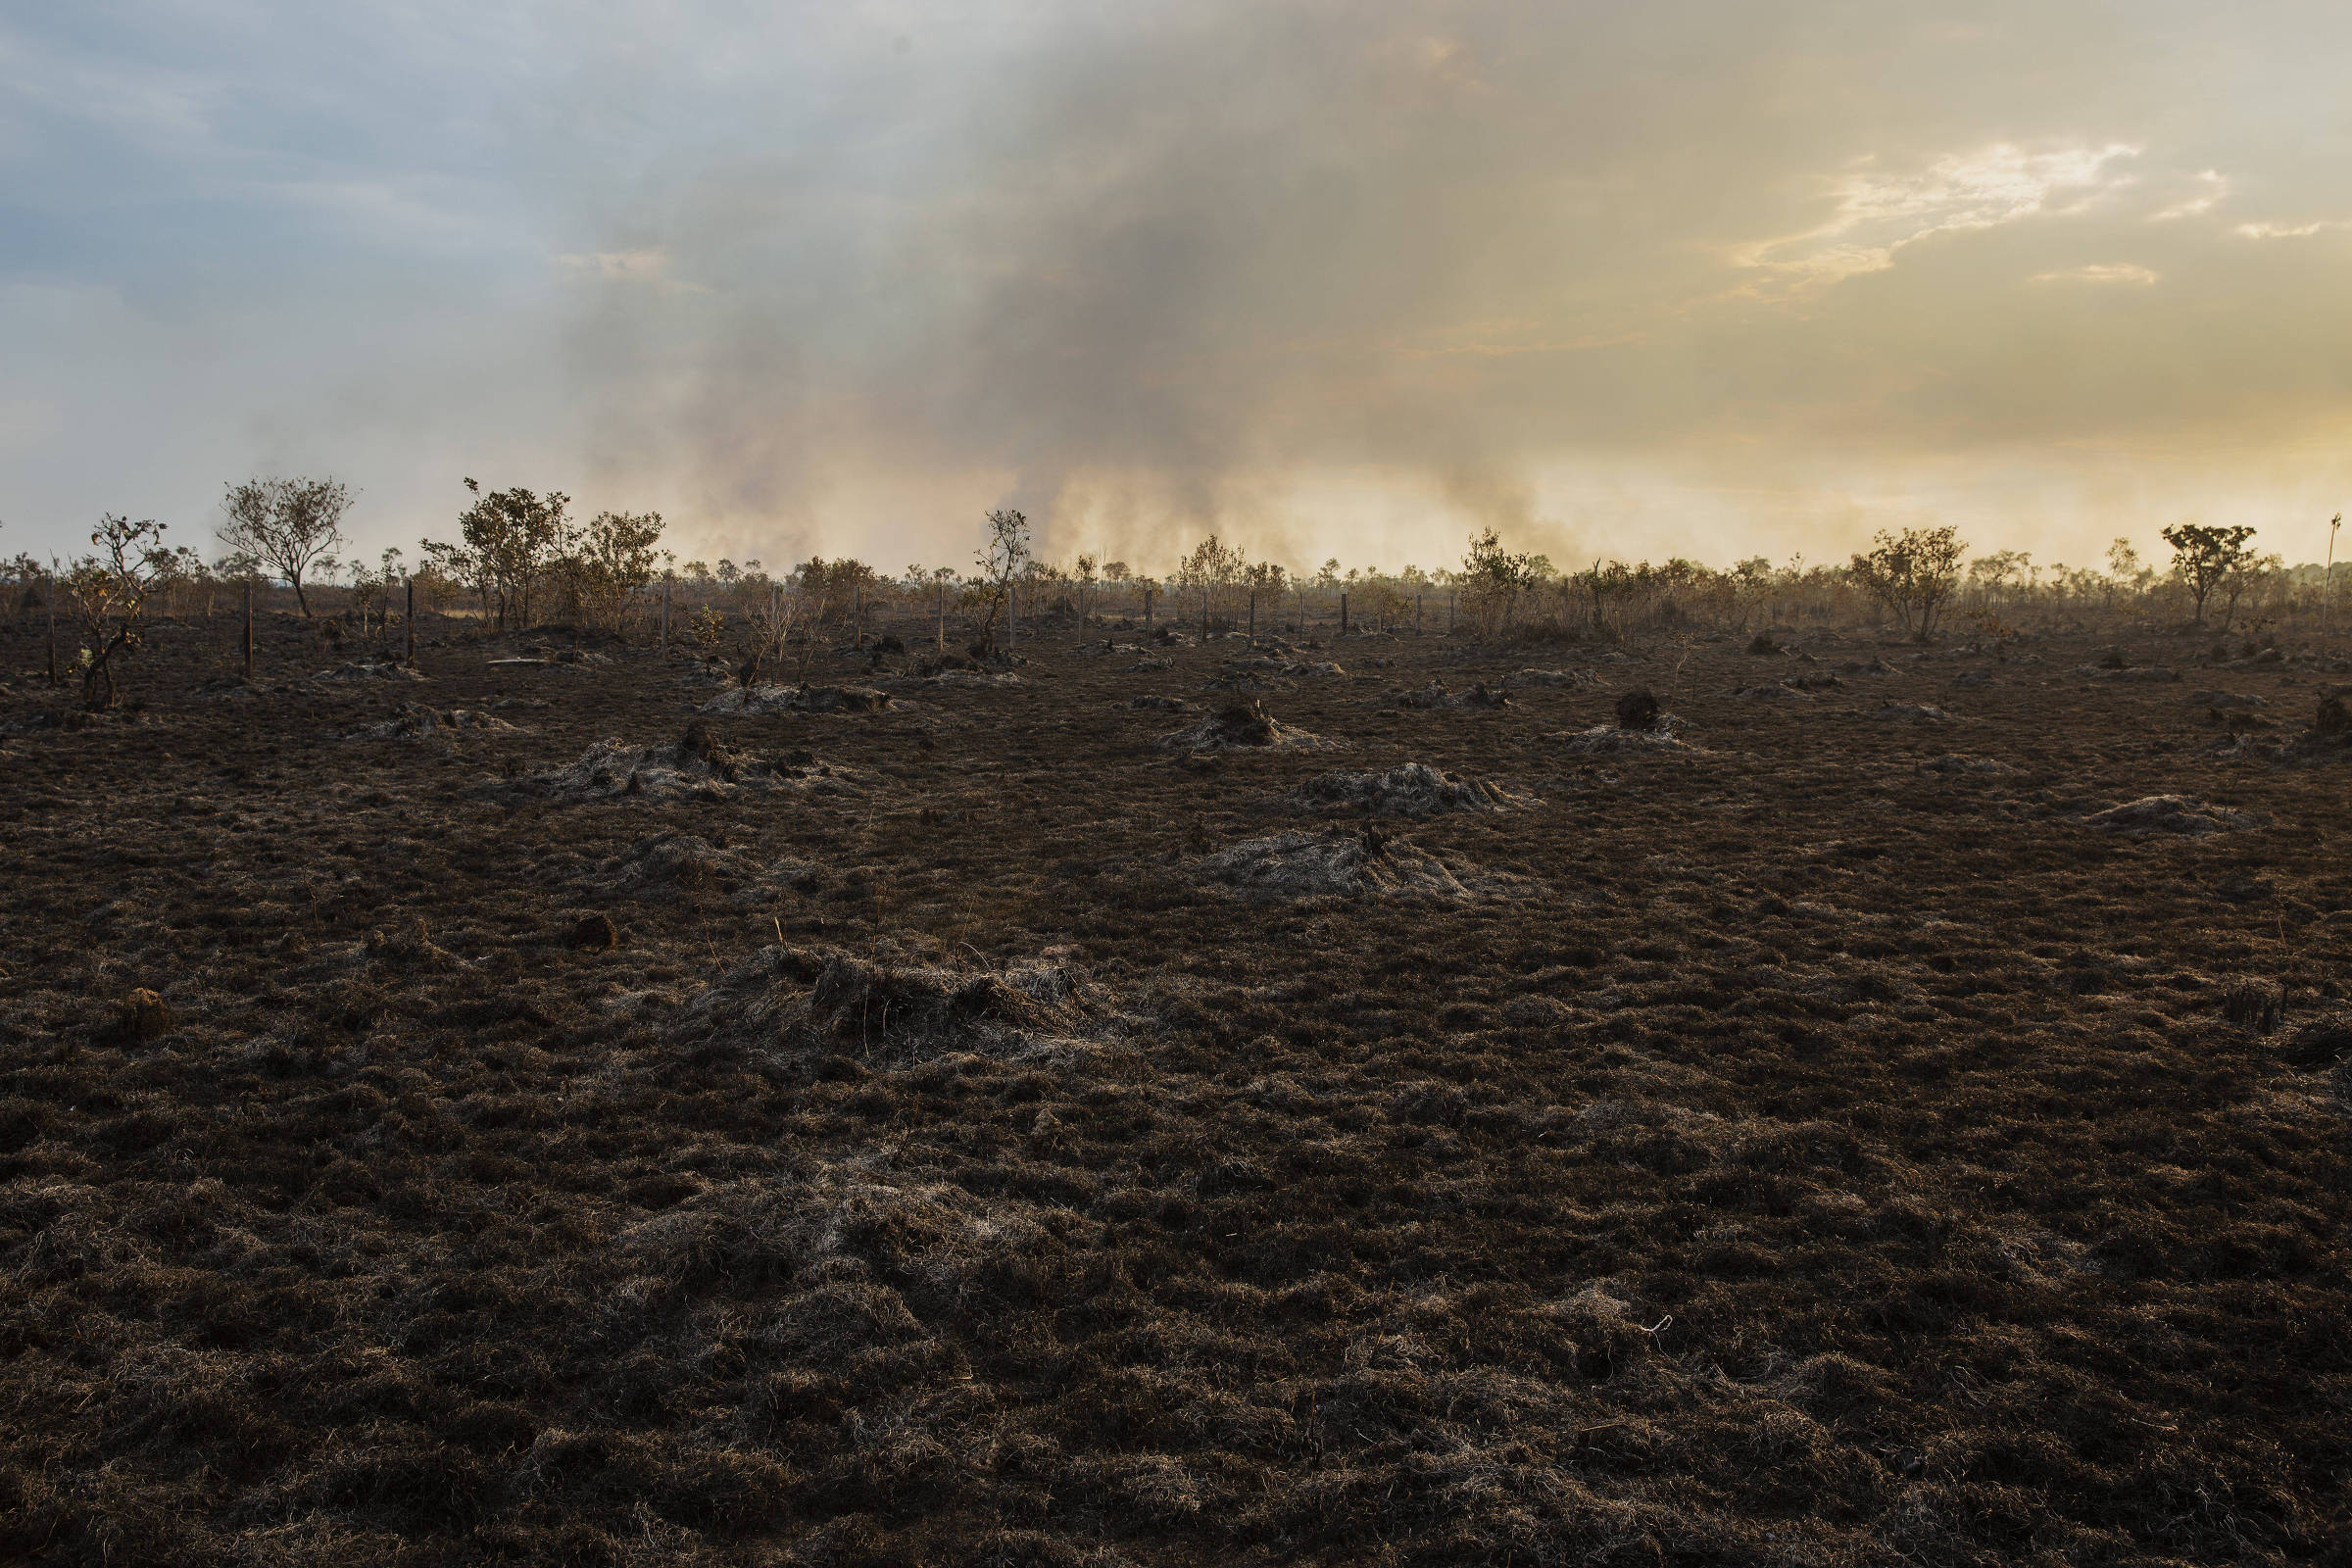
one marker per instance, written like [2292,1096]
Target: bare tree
[1000,559]
[286,524]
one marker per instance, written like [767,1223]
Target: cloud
[2125,272]
[2291,231]
[1879,212]
[2213,188]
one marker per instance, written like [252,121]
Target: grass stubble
[885,1135]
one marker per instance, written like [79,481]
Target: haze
[1717,280]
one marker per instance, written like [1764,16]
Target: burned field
[532,1114]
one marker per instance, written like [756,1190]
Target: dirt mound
[1339,863]
[801,699]
[1411,789]
[1102,649]
[894,1008]
[669,866]
[1772,692]
[1907,713]
[2227,700]
[417,720]
[1866,666]
[1164,705]
[1243,726]
[2143,672]
[1573,679]
[1435,695]
[695,767]
[229,689]
[2178,816]
[352,674]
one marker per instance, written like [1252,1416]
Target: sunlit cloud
[2126,273]
[1879,213]
[2214,189]
[2291,231]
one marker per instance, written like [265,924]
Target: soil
[975,1136]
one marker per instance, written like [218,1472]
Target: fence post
[939,603]
[857,615]
[1204,610]
[1343,615]
[407,620]
[1147,610]
[1450,595]
[1012,616]
[662,638]
[1253,619]
[49,609]
[249,628]
[1420,603]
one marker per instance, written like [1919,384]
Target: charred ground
[951,1124]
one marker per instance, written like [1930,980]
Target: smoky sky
[1350,279]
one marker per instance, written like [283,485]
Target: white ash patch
[1612,740]
[1341,864]
[1243,726]
[1411,789]
[416,721]
[976,678]
[1436,695]
[693,769]
[801,699]
[2177,816]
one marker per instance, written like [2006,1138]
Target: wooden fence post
[1343,615]
[407,620]
[249,628]
[49,609]
[1254,618]
[662,638]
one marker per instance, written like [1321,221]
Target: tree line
[522,559]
